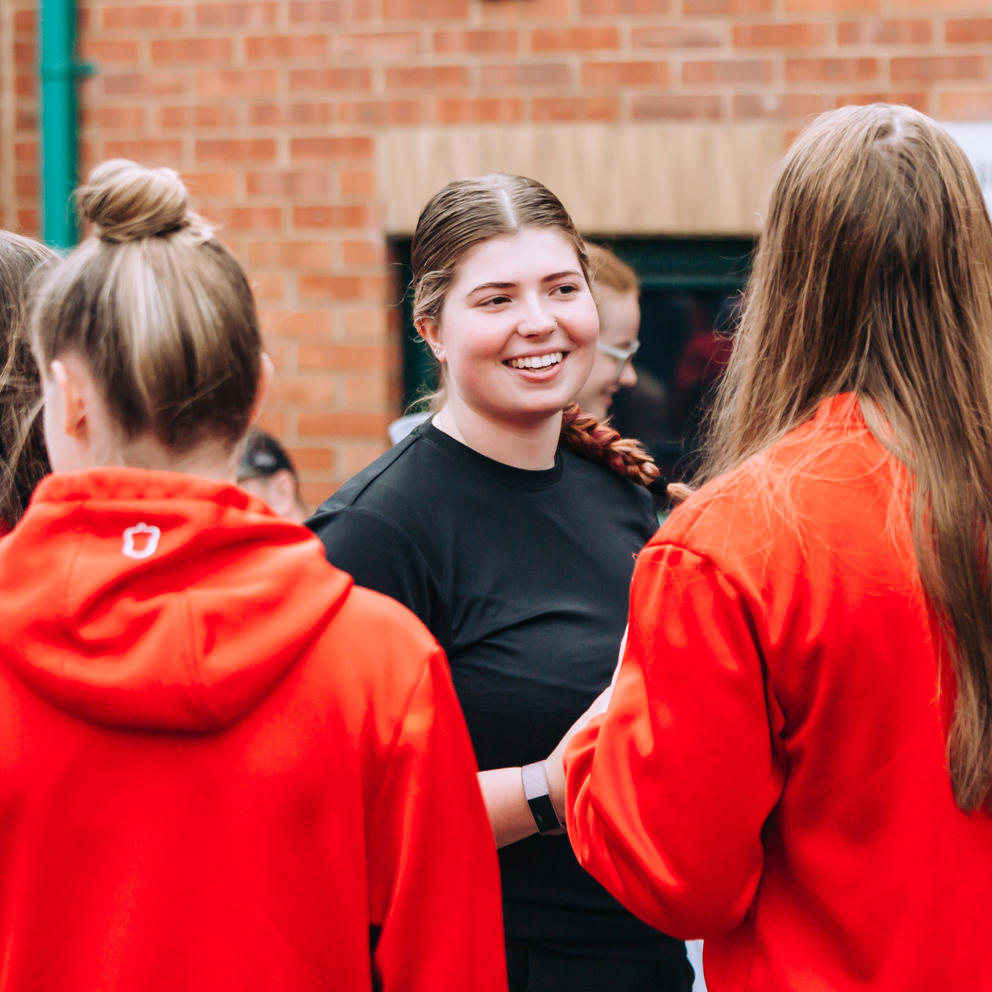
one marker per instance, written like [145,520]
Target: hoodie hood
[157,600]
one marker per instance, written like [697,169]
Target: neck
[209,460]
[529,444]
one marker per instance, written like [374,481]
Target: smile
[536,361]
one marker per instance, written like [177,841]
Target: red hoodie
[771,771]
[222,766]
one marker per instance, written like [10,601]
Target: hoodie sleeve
[667,793]
[434,879]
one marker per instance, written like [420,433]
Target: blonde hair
[23,459]
[466,213]
[158,308]
[607,270]
[873,275]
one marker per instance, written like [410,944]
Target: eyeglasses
[622,355]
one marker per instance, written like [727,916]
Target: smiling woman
[509,525]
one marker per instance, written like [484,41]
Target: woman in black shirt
[509,525]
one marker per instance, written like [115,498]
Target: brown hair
[23,459]
[158,308]
[467,212]
[873,275]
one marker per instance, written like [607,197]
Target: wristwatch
[535,781]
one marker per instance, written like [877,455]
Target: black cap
[262,455]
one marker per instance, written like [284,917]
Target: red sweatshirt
[222,766]
[771,771]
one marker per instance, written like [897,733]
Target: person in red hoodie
[796,759]
[222,765]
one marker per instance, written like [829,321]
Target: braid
[599,442]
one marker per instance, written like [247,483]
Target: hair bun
[125,201]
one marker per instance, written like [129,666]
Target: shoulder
[608,492]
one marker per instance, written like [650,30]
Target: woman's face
[517,331]
[619,322]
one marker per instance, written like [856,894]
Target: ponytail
[598,442]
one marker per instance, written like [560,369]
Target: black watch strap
[535,782]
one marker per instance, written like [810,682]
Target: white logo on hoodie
[146,543]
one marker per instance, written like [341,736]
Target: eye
[566,289]
[494,301]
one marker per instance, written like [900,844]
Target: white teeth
[536,361]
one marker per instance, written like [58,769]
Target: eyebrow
[509,285]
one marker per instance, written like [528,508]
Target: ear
[68,379]
[430,331]
[266,374]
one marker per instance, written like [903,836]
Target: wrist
[536,791]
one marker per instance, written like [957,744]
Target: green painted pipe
[59,70]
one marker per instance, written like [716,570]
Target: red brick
[805,35]
[965,105]
[192,50]
[290,254]
[574,39]
[618,8]
[24,20]
[334,216]
[102,51]
[290,183]
[147,151]
[368,251]
[969,32]
[425,10]
[653,73]
[267,285]
[677,107]
[344,358]
[478,110]
[331,12]
[242,13]
[920,69]
[247,218]
[26,184]
[833,6]
[291,114]
[299,323]
[323,80]
[143,17]
[428,77]
[144,84]
[527,10]
[728,71]
[358,182]
[354,458]
[378,45]
[561,108]
[831,70]
[332,287]
[526,75]
[209,183]
[343,424]
[382,112]
[26,51]
[331,148]
[921,101]
[708,8]
[235,149]
[956,5]
[286,46]
[715,35]
[111,118]
[873,31]
[371,324]
[236,82]
[477,42]
[366,392]
[199,116]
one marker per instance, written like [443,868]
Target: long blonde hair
[467,212]
[873,275]
[158,308]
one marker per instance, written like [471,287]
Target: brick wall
[274,111]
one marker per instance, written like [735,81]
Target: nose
[628,376]
[536,321]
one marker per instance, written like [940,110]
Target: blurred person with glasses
[616,289]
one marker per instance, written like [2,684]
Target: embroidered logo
[141,540]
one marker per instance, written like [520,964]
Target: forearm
[509,815]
